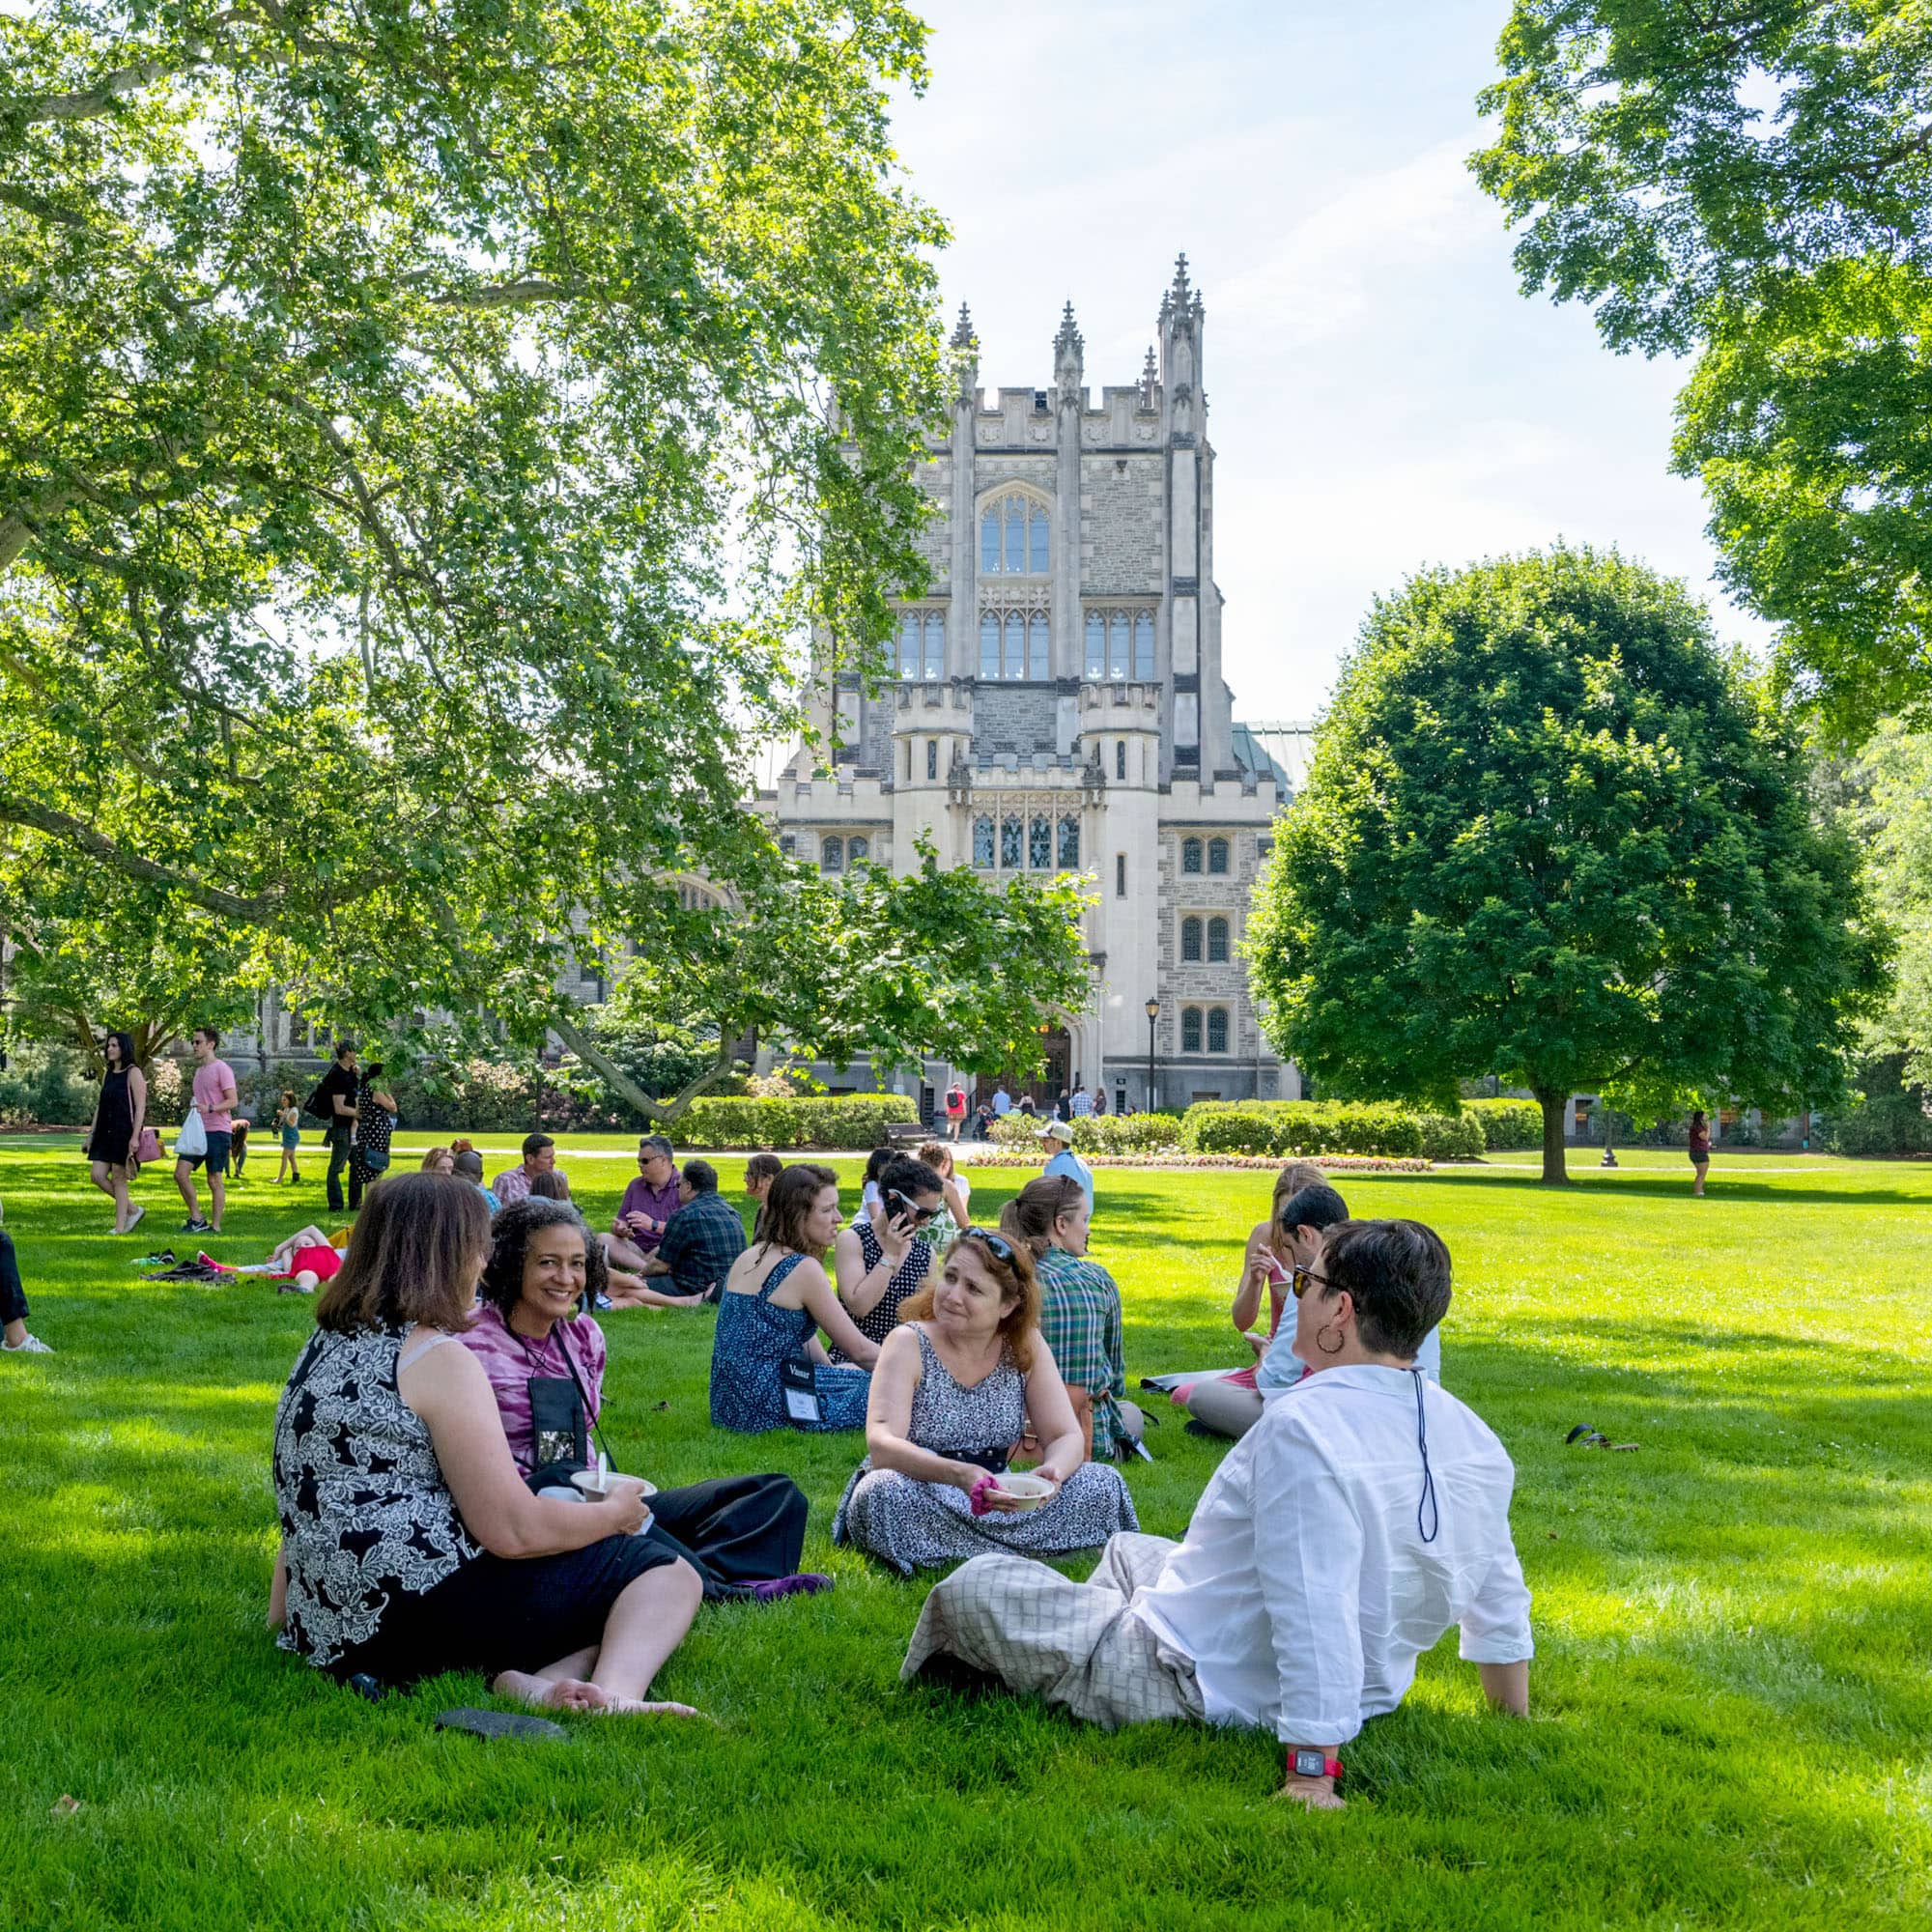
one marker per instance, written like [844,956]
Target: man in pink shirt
[214,1099]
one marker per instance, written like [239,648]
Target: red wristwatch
[1313,1763]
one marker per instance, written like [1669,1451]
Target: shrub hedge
[1105,1133]
[1288,1127]
[1508,1125]
[1883,1123]
[849,1121]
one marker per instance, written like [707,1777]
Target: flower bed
[1332,1163]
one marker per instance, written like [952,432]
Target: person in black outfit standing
[375,1122]
[114,1139]
[334,1102]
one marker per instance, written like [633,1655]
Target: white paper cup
[598,1487]
[1027,1492]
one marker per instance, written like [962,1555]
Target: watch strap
[1331,1767]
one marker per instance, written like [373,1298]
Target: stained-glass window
[1217,855]
[1217,1029]
[832,855]
[1037,668]
[1144,648]
[933,757]
[1117,645]
[989,646]
[1039,844]
[1070,844]
[935,645]
[983,843]
[1217,942]
[1097,645]
[1012,835]
[1191,1029]
[857,849]
[1190,854]
[1190,938]
[1120,758]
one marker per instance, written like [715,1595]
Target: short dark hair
[879,1159]
[411,1258]
[535,1144]
[343,1046]
[213,1034]
[467,1163]
[763,1167]
[700,1176]
[904,1174]
[656,1143]
[788,1205]
[1317,1207]
[1398,1272]
[503,1284]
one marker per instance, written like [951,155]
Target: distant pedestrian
[1003,1101]
[955,1109]
[114,1137]
[375,1122]
[1027,1107]
[1081,1105]
[13,1301]
[288,1124]
[1058,1138]
[214,1099]
[333,1103]
[1099,1103]
[1700,1150]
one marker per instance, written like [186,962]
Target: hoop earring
[1324,1346]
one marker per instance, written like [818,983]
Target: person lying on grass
[965,1376]
[411,1542]
[545,1362]
[301,1263]
[1366,1512]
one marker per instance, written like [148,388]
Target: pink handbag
[148,1149]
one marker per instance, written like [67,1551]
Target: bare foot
[632,1707]
[554,1693]
[1311,1794]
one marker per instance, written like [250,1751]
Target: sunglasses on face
[997,1245]
[899,1205]
[1302,1277]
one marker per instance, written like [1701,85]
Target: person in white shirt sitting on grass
[1365,1513]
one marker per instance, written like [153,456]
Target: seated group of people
[429,1520]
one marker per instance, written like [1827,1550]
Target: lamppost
[1152,1013]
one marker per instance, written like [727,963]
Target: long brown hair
[1020,1324]
[1031,1215]
[413,1257]
[788,1205]
[1291,1179]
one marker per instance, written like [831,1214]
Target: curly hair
[503,1284]
[1019,1325]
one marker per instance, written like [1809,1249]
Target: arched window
[1037,668]
[1036,543]
[1144,648]
[1190,938]
[933,757]
[935,645]
[832,855]
[1217,941]
[858,848]
[989,646]
[1011,833]
[1039,844]
[1217,855]
[909,634]
[1017,645]
[1191,1029]
[989,544]
[1190,854]
[983,844]
[1070,844]
[1217,1029]
[787,844]
[1017,523]
[1097,645]
[1120,758]
[1014,538]
[1117,645]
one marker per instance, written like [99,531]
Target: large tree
[1753,183]
[1891,817]
[1551,832]
[426,433]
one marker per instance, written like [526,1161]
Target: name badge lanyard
[590,1415]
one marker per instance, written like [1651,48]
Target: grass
[1731,1699]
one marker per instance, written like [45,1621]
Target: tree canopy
[1753,181]
[1893,820]
[426,432]
[1550,833]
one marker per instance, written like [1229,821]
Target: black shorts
[216,1156]
[1699,1157]
[501,1613]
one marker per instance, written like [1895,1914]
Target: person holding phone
[879,1260]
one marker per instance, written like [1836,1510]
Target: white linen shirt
[1280,1367]
[1303,1592]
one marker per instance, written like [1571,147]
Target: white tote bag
[192,1139]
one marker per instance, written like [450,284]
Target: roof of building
[1276,750]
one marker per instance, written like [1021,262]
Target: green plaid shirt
[1079,1318]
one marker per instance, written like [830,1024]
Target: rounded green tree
[1551,832]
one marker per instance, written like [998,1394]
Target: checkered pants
[1071,1643]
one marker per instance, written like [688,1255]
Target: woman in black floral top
[410,1544]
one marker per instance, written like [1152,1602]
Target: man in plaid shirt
[702,1239]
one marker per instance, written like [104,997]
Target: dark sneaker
[197,1226]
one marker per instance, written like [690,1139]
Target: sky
[1380,396]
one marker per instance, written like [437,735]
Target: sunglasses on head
[920,1216]
[997,1245]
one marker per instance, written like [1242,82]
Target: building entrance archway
[1058,1078]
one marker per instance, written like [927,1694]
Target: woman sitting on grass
[545,1361]
[410,1544]
[956,1388]
[775,1299]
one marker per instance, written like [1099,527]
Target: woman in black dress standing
[115,1135]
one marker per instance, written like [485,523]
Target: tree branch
[612,1075]
[89,103]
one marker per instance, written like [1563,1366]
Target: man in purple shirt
[214,1099]
[513,1184]
[647,1206]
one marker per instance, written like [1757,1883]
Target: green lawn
[1732,1711]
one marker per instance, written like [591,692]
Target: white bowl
[586,1480]
[1027,1492]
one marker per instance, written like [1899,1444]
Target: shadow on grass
[1654,1184]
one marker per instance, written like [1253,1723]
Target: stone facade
[1058,705]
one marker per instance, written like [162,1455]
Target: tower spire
[1067,348]
[1149,381]
[965,347]
[963,336]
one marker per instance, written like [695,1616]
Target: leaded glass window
[1037,668]
[1217,855]
[1120,758]
[857,849]
[1039,844]
[1070,844]
[1217,942]
[909,633]
[1217,1029]
[935,645]
[1190,854]
[1117,645]
[1097,645]
[933,757]
[1016,522]
[832,855]
[1036,543]
[1190,938]
[1191,1029]
[989,544]
[989,646]
[1015,538]
[1144,648]
[983,843]
[1017,645]
[1012,835]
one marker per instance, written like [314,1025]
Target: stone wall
[1120,548]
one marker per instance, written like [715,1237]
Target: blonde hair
[1016,1278]
[1292,1178]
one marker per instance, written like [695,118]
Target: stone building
[1057,704]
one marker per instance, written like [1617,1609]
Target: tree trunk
[1556,1173]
